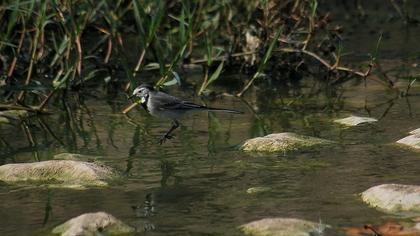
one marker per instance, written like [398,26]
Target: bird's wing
[190,105]
[167,102]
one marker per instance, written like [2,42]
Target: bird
[162,105]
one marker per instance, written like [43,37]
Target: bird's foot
[164,138]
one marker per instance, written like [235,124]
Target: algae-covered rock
[61,173]
[14,114]
[355,120]
[259,189]
[412,140]
[99,223]
[4,120]
[393,198]
[416,131]
[6,117]
[76,157]
[282,142]
[283,227]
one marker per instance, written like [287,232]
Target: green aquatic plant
[49,47]
[209,56]
[268,53]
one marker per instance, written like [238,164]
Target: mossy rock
[14,114]
[394,198]
[355,120]
[4,120]
[283,227]
[282,142]
[259,189]
[58,173]
[93,224]
[412,141]
[416,131]
[7,117]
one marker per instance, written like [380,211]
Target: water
[196,184]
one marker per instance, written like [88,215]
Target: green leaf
[176,76]
[314,6]
[375,54]
[63,46]
[263,63]
[216,73]
[12,20]
[8,44]
[170,82]
[175,80]
[209,47]
[59,82]
[151,66]
[182,31]
[140,16]
[272,45]
[156,20]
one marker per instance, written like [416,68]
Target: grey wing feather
[190,105]
[167,102]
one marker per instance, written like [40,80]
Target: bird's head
[143,91]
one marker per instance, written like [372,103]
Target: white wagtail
[163,105]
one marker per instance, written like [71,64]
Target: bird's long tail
[223,110]
[193,106]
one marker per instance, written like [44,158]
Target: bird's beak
[131,97]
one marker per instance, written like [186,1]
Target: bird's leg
[175,125]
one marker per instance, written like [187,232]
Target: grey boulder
[282,142]
[283,227]
[93,224]
[59,173]
[355,120]
[393,198]
[14,114]
[413,140]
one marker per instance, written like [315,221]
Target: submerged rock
[355,120]
[412,140]
[283,227]
[282,142]
[393,198]
[416,131]
[258,190]
[4,120]
[62,173]
[7,117]
[99,223]
[14,114]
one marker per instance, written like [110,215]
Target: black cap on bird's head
[142,92]
[145,85]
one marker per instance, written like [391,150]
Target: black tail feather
[223,110]
[190,105]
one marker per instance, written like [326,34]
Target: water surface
[196,183]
